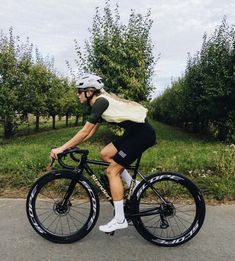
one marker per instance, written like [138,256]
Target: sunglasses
[80,92]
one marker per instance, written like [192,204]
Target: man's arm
[88,129]
[86,132]
[82,135]
[93,131]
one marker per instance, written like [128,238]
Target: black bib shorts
[136,139]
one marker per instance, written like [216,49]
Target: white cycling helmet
[90,81]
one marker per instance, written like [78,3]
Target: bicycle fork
[65,201]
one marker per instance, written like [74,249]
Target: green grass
[210,164]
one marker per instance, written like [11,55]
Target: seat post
[138,163]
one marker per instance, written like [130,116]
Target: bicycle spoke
[74,218]
[57,224]
[68,224]
[79,212]
[62,233]
[75,225]
[47,217]
[45,195]
[43,213]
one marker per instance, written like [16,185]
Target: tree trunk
[53,122]
[76,121]
[28,124]
[195,127]
[67,120]
[8,128]
[222,131]
[37,123]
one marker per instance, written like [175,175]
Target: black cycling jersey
[97,110]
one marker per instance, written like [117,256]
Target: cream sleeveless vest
[123,110]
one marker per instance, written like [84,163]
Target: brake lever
[52,160]
[49,167]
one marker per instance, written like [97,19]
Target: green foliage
[225,162]
[203,100]
[121,54]
[209,164]
[29,86]
[70,103]
[10,60]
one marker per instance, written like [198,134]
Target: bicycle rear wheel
[175,221]
[53,218]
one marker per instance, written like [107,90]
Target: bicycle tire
[54,222]
[181,221]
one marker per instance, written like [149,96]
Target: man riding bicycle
[120,153]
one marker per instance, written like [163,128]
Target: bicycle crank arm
[110,233]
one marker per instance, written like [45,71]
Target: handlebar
[73,152]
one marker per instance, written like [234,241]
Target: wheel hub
[61,209]
[168,210]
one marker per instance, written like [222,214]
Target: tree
[27,86]
[121,54]
[70,103]
[207,89]
[217,64]
[15,61]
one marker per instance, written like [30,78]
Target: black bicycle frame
[146,212]
[84,165]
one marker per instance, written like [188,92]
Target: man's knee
[113,170]
[104,155]
[110,172]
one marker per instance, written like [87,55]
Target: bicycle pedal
[110,233]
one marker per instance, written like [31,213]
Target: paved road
[19,242]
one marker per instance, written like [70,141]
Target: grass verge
[210,164]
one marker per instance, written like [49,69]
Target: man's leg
[116,186]
[107,154]
[117,191]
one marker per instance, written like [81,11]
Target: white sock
[136,184]
[126,177]
[119,211]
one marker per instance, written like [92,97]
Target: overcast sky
[52,26]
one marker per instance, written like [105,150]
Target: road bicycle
[63,206]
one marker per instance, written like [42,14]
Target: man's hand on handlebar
[60,154]
[54,152]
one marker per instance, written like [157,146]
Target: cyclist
[120,153]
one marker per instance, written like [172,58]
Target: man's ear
[90,92]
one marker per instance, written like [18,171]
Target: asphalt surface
[19,242]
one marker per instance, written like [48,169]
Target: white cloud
[178,27]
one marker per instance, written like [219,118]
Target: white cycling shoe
[113,225]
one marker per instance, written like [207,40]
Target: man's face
[82,96]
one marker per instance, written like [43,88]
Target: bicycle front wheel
[169,208]
[54,218]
